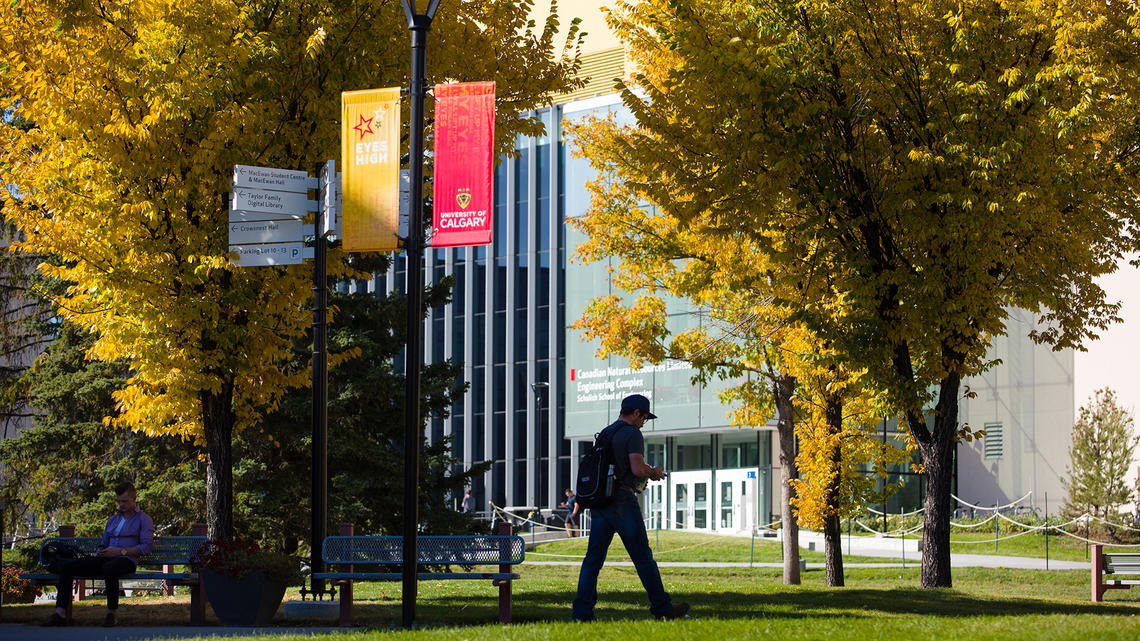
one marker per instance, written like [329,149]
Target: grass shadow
[808,602]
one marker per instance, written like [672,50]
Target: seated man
[128,536]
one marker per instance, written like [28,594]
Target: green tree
[661,263]
[63,467]
[141,110]
[919,159]
[365,436]
[1104,441]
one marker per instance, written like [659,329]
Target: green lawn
[669,545]
[1033,545]
[728,603]
[692,547]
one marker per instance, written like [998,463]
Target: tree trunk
[782,389]
[833,551]
[218,423]
[938,461]
[833,543]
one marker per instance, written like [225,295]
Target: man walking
[129,535]
[623,517]
[572,507]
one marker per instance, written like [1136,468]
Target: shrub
[236,558]
[15,589]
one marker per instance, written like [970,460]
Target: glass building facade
[504,324]
[536,391]
[507,323]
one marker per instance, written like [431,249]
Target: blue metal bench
[167,552]
[343,554]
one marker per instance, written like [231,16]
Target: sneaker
[55,621]
[110,621]
[678,611]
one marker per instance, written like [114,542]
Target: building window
[994,444]
[695,454]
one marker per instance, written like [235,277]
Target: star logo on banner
[381,111]
[364,126]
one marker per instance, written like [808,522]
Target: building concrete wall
[1030,396]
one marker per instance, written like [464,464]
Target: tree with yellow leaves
[837,445]
[139,112]
[744,332]
[937,162]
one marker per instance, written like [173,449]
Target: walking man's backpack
[596,485]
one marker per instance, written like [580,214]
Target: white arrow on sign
[272,178]
[274,254]
[266,231]
[280,202]
[327,193]
[238,216]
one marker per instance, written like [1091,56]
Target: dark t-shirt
[625,441]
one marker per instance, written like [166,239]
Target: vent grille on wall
[994,443]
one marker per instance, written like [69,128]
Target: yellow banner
[370,157]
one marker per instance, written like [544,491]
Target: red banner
[464,164]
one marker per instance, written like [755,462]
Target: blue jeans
[622,517]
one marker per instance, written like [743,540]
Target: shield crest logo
[463,197]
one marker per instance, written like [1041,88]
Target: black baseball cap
[636,402]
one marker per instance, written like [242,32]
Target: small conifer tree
[1099,457]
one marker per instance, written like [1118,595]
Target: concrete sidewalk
[956,560]
[22,632]
[898,549]
[893,552]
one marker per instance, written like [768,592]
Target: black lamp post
[418,24]
[539,389]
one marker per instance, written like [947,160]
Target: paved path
[956,560]
[21,632]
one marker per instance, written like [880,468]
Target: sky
[1114,359]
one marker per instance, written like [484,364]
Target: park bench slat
[165,551]
[136,576]
[423,576]
[1113,563]
[345,554]
[462,550]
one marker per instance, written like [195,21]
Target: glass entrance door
[742,499]
[693,500]
[681,508]
[655,506]
[728,506]
[701,505]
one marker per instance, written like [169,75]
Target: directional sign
[279,202]
[266,231]
[272,178]
[328,195]
[405,200]
[238,216]
[271,254]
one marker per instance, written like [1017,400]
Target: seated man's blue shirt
[136,530]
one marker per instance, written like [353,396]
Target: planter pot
[252,600]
